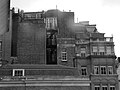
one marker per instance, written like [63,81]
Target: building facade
[47,50]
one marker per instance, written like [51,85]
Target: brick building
[47,51]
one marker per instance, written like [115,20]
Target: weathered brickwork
[48,51]
[31,43]
[44,88]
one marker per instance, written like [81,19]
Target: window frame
[102,53]
[104,86]
[0,62]
[110,67]
[64,55]
[23,72]
[111,86]
[102,71]
[83,72]
[97,86]
[51,22]
[96,71]
[101,49]
[83,51]
[83,55]
[0,45]
[95,50]
[108,48]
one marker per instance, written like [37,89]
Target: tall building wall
[6,43]
[65,24]
[6,47]
[5,30]
[4,16]
[31,47]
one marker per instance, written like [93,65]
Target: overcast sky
[104,13]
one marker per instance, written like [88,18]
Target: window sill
[64,60]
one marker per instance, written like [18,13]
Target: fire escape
[51,41]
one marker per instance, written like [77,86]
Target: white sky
[104,13]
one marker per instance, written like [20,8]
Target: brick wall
[31,46]
[104,80]
[6,46]
[68,44]
[84,62]
[59,88]
[65,22]
[5,72]
[12,88]
[46,88]
[55,72]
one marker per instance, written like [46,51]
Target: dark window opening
[51,49]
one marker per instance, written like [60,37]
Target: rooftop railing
[106,39]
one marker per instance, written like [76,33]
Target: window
[64,55]
[101,50]
[82,54]
[95,50]
[28,16]
[83,51]
[108,50]
[112,87]
[103,69]
[96,69]
[102,53]
[77,50]
[95,53]
[97,87]
[83,70]
[110,70]
[108,39]
[51,23]
[18,72]
[104,87]
[94,39]
[0,46]
[38,15]
[0,63]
